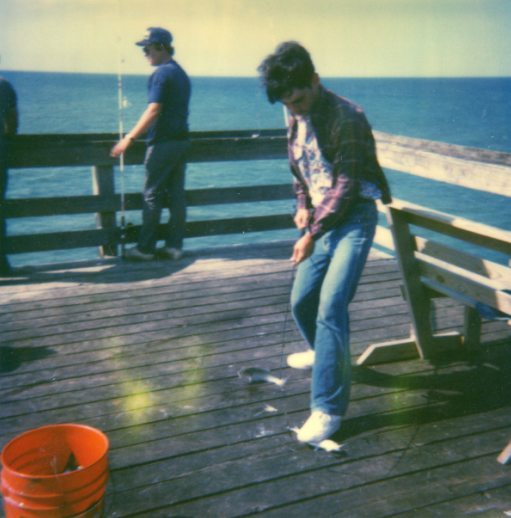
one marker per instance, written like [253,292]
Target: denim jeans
[165,167]
[324,286]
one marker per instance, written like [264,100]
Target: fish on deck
[327,444]
[258,374]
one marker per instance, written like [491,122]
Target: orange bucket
[57,471]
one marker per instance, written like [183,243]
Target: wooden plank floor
[150,354]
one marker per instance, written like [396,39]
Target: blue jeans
[324,286]
[165,167]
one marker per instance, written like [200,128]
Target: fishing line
[285,322]
[121,129]
[284,341]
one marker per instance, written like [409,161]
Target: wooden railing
[475,168]
[93,150]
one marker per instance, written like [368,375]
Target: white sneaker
[171,253]
[318,427]
[134,254]
[302,361]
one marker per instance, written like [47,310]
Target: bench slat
[461,284]
[483,267]
[453,226]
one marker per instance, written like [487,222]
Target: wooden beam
[80,150]
[103,184]
[100,237]
[387,352]
[30,207]
[483,267]
[407,349]
[416,297]
[451,280]
[442,148]
[460,228]
[60,240]
[472,324]
[458,165]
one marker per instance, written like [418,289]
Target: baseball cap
[156,35]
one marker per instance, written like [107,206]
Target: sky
[346,38]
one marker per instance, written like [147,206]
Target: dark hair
[162,46]
[288,68]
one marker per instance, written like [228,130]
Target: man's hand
[120,147]
[151,113]
[303,248]
[302,219]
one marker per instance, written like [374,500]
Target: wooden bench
[430,268]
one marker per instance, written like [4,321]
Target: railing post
[103,184]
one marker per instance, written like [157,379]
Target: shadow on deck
[150,354]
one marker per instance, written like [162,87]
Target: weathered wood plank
[490,503]
[273,486]
[105,202]
[87,238]
[458,165]
[453,226]
[103,184]
[451,280]
[189,437]
[86,150]
[484,267]
[418,302]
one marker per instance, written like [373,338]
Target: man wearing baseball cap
[166,122]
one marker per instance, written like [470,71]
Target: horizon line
[257,77]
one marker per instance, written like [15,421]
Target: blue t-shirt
[170,86]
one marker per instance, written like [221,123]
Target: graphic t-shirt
[315,169]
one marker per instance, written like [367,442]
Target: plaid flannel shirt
[346,141]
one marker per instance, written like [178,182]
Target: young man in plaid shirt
[337,180]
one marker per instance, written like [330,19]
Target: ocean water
[465,111]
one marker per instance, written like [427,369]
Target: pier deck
[150,354]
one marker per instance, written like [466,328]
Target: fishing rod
[121,131]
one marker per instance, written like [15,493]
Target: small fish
[258,374]
[328,445]
[267,408]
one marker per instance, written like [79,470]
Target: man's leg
[159,162]
[176,203]
[349,246]
[306,289]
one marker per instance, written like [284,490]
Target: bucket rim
[35,430]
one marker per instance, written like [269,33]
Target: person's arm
[144,123]
[303,248]
[302,215]
[11,121]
